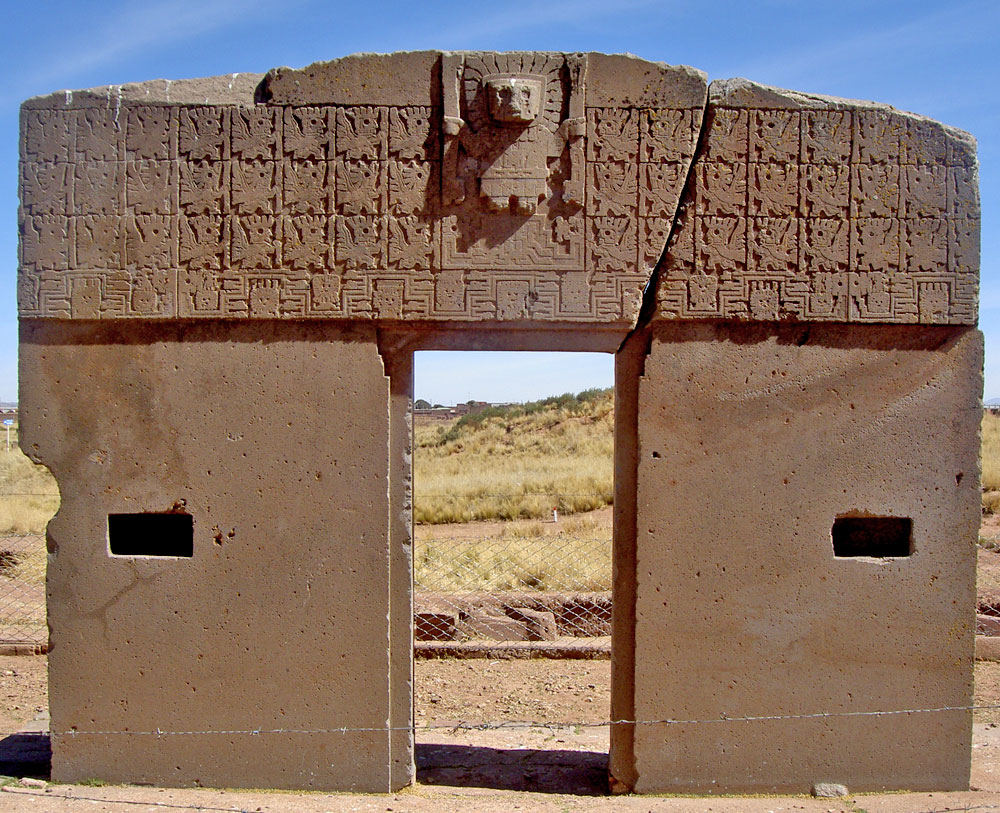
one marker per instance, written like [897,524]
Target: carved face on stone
[513,99]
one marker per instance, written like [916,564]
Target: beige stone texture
[751,441]
[987,648]
[228,89]
[276,441]
[402,79]
[811,208]
[625,80]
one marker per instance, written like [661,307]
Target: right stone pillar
[752,442]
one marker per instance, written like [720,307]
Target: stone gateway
[221,286]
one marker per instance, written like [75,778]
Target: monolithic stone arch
[221,285]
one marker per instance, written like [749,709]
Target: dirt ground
[479,690]
[23,690]
[546,769]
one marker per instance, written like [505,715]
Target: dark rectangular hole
[878,537]
[151,534]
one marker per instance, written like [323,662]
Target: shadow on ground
[25,754]
[583,773]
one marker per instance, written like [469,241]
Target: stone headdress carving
[508,119]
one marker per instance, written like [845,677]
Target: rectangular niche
[874,537]
[151,534]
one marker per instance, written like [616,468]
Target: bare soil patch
[24,690]
[539,768]
[480,690]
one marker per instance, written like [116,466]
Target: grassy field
[571,555]
[991,463]
[29,496]
[517,462]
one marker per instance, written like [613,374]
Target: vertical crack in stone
[648,307]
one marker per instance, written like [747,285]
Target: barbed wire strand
[514,724]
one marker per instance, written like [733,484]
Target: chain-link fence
[22,591]
[485,583]
[528,581]
[29,497]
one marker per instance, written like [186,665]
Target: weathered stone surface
[539,625]
[828,790]
[987,648]
[438,626]
[492,627]
[228,89]
[386,187]
[752,440]
[987,625]
[811,208]
[400,80]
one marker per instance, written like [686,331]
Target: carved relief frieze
[512,195]
[513,200]
[833,214]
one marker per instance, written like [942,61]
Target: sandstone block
[539,625]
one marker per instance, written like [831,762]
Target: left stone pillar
[263,659]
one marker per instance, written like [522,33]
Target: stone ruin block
[221,284]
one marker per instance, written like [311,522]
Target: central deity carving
[508,120]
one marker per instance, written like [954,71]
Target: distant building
[457,411]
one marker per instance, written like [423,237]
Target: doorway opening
[513,485]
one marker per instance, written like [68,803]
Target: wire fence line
[528,581]
[511,494]
[531,580]
[498,725]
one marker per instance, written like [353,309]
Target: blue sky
[937,59]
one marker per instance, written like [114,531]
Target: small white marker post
[8,423]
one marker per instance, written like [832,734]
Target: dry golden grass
[24,560]
[517,462]
[991,456]
[29,496]
[573,555]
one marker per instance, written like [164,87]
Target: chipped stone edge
[246,89]
[237,89]
[739,92]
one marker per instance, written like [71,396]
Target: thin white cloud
[529,17]
[126,29]
[951,26]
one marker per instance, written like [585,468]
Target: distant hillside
[517,461]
